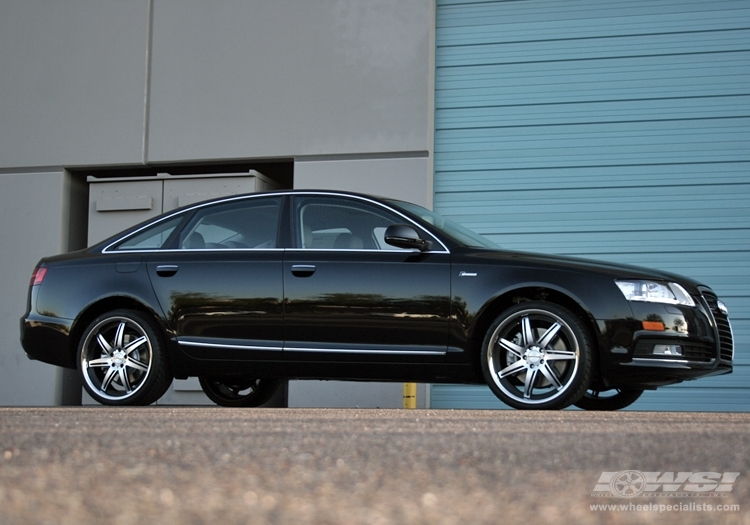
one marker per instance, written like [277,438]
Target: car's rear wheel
[612,399]
[122,359]
[239,392]
[537,355]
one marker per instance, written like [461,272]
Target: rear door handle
[303,270]
[167,270]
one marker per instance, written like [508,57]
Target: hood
[615,270]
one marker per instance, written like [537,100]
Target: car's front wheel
[537,355]
[239,392]
[122,359]
[612,399]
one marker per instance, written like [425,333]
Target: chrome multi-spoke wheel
[239,392]
[537,355]
[122,361]
[608,399]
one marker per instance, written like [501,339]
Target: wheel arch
[104,305]
[497,305]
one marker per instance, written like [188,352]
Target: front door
[348,293]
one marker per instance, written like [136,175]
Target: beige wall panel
[73,82]
[237,79]
[408,179]
[38,228]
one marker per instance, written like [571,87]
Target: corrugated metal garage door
[615,130]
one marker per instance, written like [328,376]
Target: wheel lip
[513,394]
[84,360]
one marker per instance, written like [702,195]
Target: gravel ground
[236,466]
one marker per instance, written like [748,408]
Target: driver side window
[342,224]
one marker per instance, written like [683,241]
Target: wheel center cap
[118,358]
[534,355]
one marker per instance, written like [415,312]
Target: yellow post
[410,395]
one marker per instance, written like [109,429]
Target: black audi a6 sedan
[247,291]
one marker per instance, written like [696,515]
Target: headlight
[653,292]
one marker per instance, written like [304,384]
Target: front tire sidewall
[573,337]
[147,387]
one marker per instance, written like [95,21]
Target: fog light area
[667,350]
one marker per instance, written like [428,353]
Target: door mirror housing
[405,236]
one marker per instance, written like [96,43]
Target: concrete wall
[39,205]
[100,83]
[382,177]
[289,77]
[152,83]
[73,82]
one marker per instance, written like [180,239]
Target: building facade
[617,130]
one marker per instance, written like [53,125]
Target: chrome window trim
[199,250]
[272,250]
[375,203]
[108,248]
[356,250]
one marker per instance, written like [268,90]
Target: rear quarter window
[152,237]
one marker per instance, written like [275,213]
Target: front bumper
[700,339]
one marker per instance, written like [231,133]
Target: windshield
[452,229]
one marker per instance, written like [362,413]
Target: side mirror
[405,236]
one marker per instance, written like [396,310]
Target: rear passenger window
[247,224]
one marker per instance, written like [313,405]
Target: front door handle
[167,270]
[303,270]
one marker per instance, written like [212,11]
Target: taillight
[38,276]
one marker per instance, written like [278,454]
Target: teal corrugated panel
[614,130]
[586,113]
[593,80]
[465,179]
[626,143]
[470,15]
[606,48]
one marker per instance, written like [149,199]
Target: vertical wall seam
[432,72]
[147,86]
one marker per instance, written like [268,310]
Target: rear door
[221,287]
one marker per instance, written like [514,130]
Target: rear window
[153,237]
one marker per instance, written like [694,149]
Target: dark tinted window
[247,224]
[326,223]
[152,237]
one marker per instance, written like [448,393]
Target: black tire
[122,359]
[537,355]
[612,399]
[239,392]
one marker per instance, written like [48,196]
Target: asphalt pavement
[211,465]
